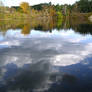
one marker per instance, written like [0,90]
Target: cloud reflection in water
[31,63]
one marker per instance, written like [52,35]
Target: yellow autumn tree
[52,11]
[25,7]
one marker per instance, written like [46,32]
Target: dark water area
[45,56]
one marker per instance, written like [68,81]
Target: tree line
[81,6]
[46,9]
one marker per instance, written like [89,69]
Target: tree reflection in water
[46,25]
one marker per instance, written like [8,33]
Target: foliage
[58,7]
[85,5]
[82,6]
[25,6]
[52,11]
[59,15]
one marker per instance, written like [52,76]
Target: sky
[34,2]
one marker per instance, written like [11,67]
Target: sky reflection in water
[45,62]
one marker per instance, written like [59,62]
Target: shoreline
[90,18]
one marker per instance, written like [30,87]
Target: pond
[38,56]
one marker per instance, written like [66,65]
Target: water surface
[45,58]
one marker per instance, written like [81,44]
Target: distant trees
[82,6]
[52,11]
[85,5]
[25,7]
[40,7]
[58,7]
[37,7]
[48,9]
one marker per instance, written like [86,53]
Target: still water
[44,59]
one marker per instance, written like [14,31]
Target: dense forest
[46,10]
[82,6]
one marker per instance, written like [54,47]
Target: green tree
[58,7]
[85,5]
